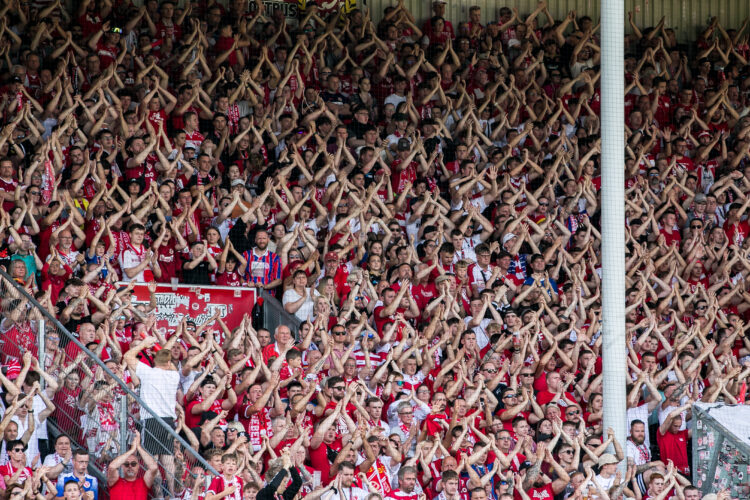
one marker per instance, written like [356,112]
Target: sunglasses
[573,413]
[131,464]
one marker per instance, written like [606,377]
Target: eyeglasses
[231,430]
[491,370]
[569,413]
[545,204]
[505,438]
[701,308]
[527,374]
[510,396]
[567,452]
[131,464]
[34,193]
[18,450]
[696,227]
[340,333]
[483,255]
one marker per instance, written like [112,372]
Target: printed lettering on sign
[200,303]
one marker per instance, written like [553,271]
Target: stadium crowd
[423,198]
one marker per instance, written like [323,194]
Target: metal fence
[83,393]
[721,448]
[275,315]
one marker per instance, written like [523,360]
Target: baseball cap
[700,198]
[332,256]
[508,237]
[238,182]
[404,144]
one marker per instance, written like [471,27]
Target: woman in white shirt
[300,299]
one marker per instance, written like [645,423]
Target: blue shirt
[89,484]
[541,283]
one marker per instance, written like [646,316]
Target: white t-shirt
[352,493]
[158,390]
[664,413]
[480,331]
[640,454]
[395,99]
[604,483]
[639,413]
[306,310]
[129,259]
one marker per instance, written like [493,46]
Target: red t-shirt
[319,459]
[129,490]
[673,446]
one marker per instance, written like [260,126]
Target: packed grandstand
[424,200]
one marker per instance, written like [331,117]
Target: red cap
[332,256]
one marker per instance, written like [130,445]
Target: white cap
[508,237]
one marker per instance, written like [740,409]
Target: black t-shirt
[71,325]
[334,97]
[199,275]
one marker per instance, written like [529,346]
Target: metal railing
[275,315]
[721,448]
[93,405]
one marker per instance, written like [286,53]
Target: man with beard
[408,488]
[131,486]
[263,265]
[344,487]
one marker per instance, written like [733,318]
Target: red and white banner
[198,303]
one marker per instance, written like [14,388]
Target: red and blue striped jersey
[262,269]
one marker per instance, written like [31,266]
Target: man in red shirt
[735,228]
[325,444]
[669,229]
[129,486]
[253,413]
[673,441]
[404,167]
